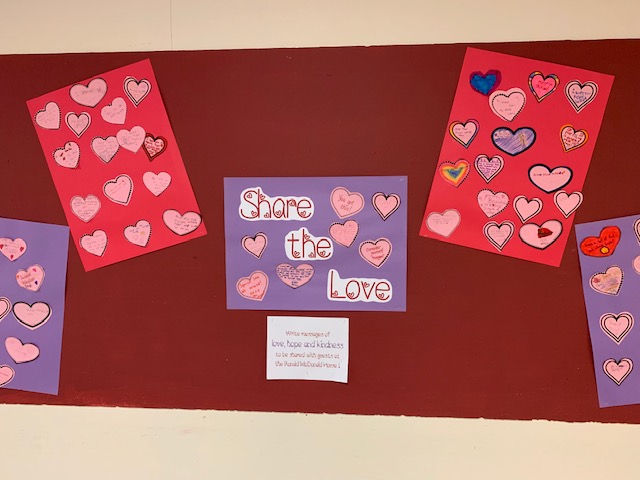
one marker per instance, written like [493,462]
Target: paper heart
[32,316]
[571,138]
[119,189]
[5,307]
[154,146]
[294,277]
[344,233]
[464,133]
[507,104]
[636,229]
[608,282]
[636,264]
[486,83]
[78,124]
[85,208]
[139,233]
[542,86]
[156,184]
[346,203]
[89,95]
[136,90]
[492,203]
[616,327]
[67,156]
[602,246]
[255,245]
[6,374]
[181,224]
[499,234]
[443,223]
[132,139]
[375,253]
[31,278]
[12,249]
[49,117]
[488,167]
[96,243]
[526,209]
[105,148]
[549,180]
[580,94]
[385,205]
[21,352]
[115,112]
[454,173]
[253,287]
[617,370]
[540,236]
[567,203]
[513,143]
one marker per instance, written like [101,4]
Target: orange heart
[602,246]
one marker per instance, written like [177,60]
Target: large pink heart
[21,352]
[96,243]
[294,277]
[344,233]
[119,189]
[115,112]
[67,156]
[31,278]
[12,249]
[376,253]
[464,133]
[608,282]
[444,223]
[89,95]
[580,94]
[253,287]
[105,148]
[132,139]
[492,203]
[255,245]
[540,236]
[139,233]
[32,316]
[136,91]
[156,183]
[385,205]
[78,124]
[616,327]
[85,208]
[346,203]
[49,117]
[181,224]
[618,370]
[6,374]
[507,104]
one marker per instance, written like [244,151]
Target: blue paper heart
[513,143]
[485,83]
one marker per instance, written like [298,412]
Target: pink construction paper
[116,165]
[542,120]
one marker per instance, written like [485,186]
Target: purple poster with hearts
[316,243]
[33,271]
[610,264]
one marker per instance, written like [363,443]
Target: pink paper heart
[85,208]
[105,148]
[507,104]
[346,203]
[181,224]
[492,203]
[115,112]
[253,287]
[618,370]
[136,90]
[132,139]
[294,277]
[608,282]
[89,95]
[385,205]
[616,327]
[31,278]
[139,233]
[78,124]
[119,189]
[67,156]
[5,307]
[6,374]
[156,184]
[21,352]
[255,245]
[375,253]
[344,233]
[96,243]
[12,249]
[49,117]
[32,316]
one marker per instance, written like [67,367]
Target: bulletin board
[483,335]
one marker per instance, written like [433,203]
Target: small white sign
[308,348]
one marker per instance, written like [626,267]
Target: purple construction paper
[599,304]
[47,246]
[345,260]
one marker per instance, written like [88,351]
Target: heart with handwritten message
[78,124]
[136,90]
[443,223]
[616,327]
[525,208]
[105,148]
[154,146]
[67,156]
[454,173]
[253,287]
[294,277]
[181,224]
[507,104]
[119,189]
[85,208]
[255,245]
[32,316]
[156,184]
[603,245]
[12,249]
[385,205]
[31,278]
[540,236]
[572,138]
[21,352]
[346,203]
[95,243]
[580,94]
[492,203]
[568,203]
[139,233]
[513,142]
[617,370]
[132,139]
[487,167]
[549,180]
[344,233]
[608,282]
[6,374]
[499,234]
[115,112]
[464,133]
[49,117]
[542,86]
[89,95]
[485,83]
[375,252]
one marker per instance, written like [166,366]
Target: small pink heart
[255,245]
[21,352]
[253,287]
[294,277]
[376,253]
[6,374]
[344,233]
[385,205]
[346,203]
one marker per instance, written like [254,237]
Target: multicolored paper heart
[464,133]
[608,282]
[454,173]
[485,83]
[542,86]
[571,138]
[513,142]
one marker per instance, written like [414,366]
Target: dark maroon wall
[483,336]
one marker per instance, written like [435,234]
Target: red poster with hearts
[116,165]
[515,155]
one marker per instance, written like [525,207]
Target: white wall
[96,443]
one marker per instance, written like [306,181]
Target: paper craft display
[33,270]
[326,243]
[116,165]
[308,348]
[515,155]
[609,252]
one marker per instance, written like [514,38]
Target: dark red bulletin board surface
[483,335]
